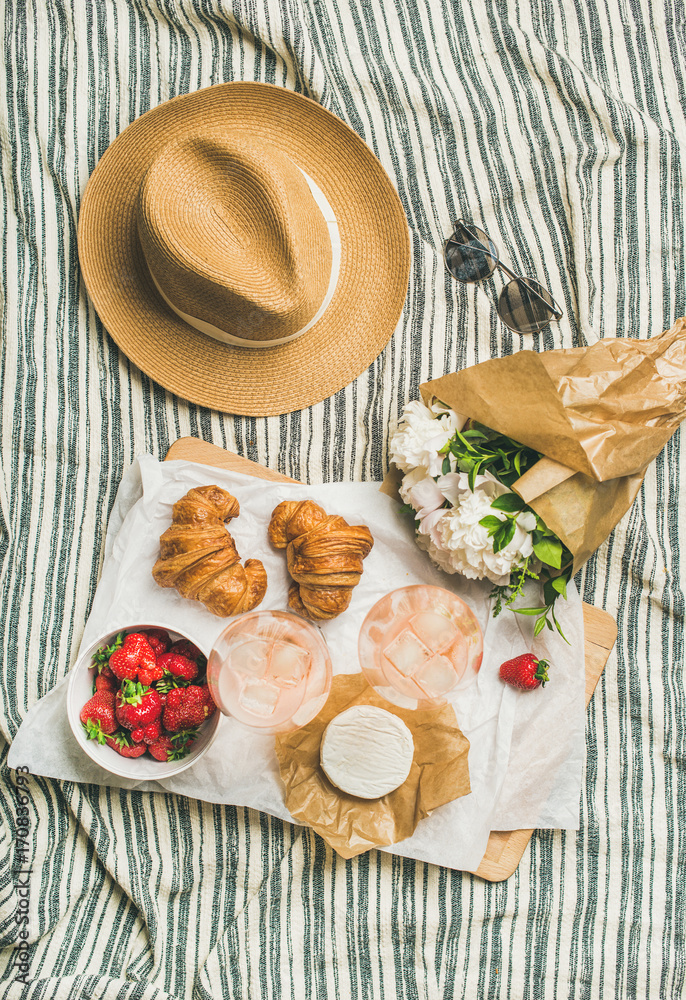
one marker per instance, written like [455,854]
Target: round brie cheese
[367,751]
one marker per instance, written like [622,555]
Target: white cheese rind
[367,751]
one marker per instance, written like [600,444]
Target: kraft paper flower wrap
[598,414]
[439,774]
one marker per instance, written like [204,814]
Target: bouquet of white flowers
[457,484]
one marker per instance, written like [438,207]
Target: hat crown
[233,237]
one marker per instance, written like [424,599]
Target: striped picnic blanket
[560,128]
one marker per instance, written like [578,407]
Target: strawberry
[185,648]
[159,639]
[161,748]
[105,680]
[174,747]
[187,707]
[146,675]
[98,716]
[137,706]
[135,654]
[147,734]
[178,665]
[525,672]
[160,642]
[121,742]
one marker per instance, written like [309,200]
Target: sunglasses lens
[525,306]
[470,255]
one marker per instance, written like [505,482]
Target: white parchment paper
[526,748]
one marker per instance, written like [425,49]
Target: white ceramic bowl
[144,768]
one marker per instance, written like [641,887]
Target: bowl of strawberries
[139,704]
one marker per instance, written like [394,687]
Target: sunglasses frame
[556,312]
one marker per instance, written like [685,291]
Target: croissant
[198,555]
[324,555]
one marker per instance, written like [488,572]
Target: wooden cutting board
[505,848]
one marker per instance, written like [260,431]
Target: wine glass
[420,644]
[271,670]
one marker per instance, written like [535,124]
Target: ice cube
[259,698]
[436,677]
[434,629]
[289,663]
[250,657]
[406,652]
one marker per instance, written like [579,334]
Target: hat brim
[375,257]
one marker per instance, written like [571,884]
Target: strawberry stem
[102,655]
[171,681]
[542,672]
[184,735]
[94,731]
[122,739]
[132,692]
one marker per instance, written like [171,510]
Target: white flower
[421,491]
[439,556]
[526,520]
[455,486]
[422,432]
[458,543]
[448,510]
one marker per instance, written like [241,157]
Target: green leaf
[504,536]
[445,468]
[550,595]
[540,625]
[549,551]
[492,523]
[464,441]
[559,584]
[498,594]
[530,611]
[474,425]
[508,502]
[474,435]
[473,473]
[506,459]
[559,629]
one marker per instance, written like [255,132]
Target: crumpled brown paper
[599,414]
[351,825]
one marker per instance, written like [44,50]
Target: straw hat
[245,248]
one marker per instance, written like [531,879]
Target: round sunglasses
[524,305]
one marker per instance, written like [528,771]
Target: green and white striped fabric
[560,129]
